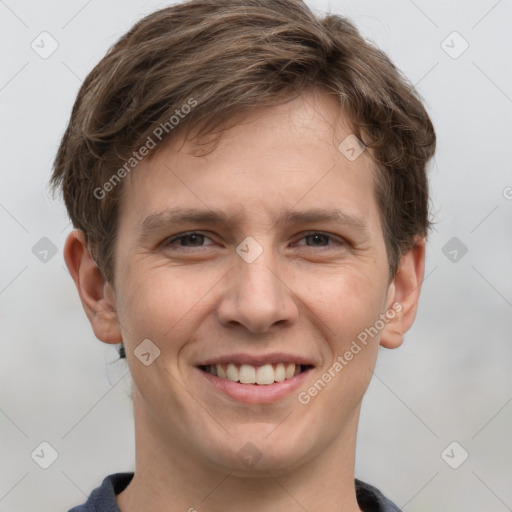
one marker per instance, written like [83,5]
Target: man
[248,187]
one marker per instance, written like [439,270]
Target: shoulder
[103,498]
[370,499]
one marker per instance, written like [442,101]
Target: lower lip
[256,393]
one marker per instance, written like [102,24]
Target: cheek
[347,312]
[349,305]
[346,302]
[162,303]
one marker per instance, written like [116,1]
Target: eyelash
[170,241]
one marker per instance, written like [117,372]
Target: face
[264,273]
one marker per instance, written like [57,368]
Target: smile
[260,375]
[253,384]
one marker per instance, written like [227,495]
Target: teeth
[248,374]
[232,372]
[220,371]
[280,373]
[265,374]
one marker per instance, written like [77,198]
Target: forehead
[277,160]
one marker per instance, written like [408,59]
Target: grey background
[450,381]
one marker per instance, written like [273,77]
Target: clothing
[103,498]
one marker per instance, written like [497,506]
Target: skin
[197,299]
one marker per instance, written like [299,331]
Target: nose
[257,295]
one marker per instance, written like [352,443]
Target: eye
[320,239]
[194,237]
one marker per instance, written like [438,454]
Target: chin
[254,454]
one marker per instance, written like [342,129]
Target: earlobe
[95,293]
[403,295]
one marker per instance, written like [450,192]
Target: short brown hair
[230,57]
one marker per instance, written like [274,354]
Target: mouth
[261,375]
[268,380]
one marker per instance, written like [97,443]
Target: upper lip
[257,359]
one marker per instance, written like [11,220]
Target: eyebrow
[180,216]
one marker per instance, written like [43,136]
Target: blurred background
[435,431]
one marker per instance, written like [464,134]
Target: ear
[96,294]
[403,295]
